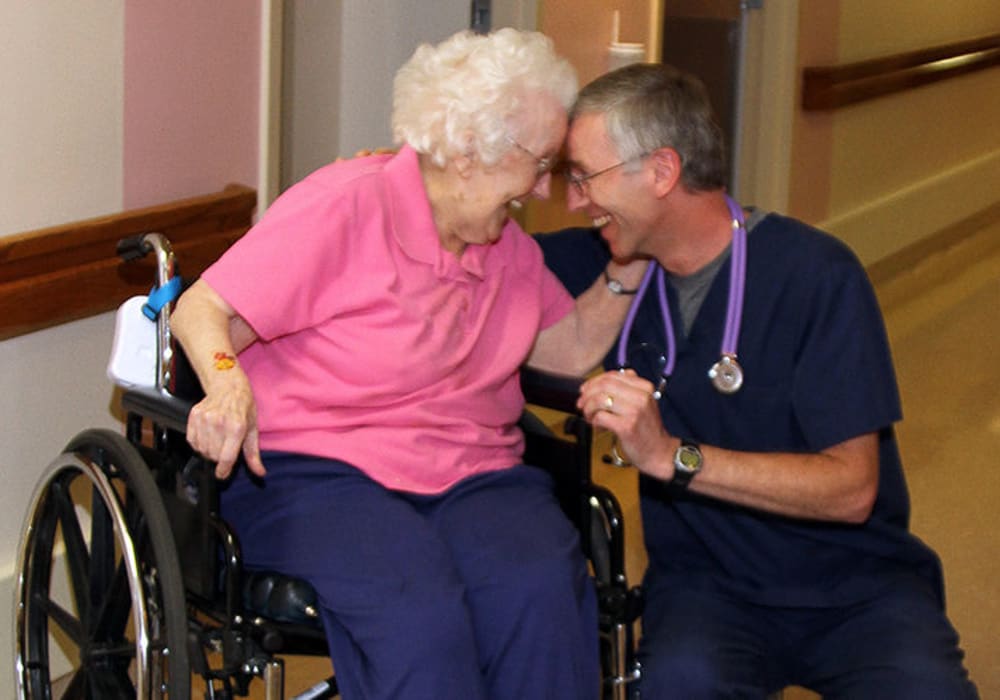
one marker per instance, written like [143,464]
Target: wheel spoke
[77,688]
[69,624]
[77,554]
[112,683]
[113,615]
[124,650]
[103,556]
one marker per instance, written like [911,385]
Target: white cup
[622,53]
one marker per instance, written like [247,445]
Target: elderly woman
[361,345]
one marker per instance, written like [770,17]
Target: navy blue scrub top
[818,371]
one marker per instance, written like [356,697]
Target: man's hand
[623,403]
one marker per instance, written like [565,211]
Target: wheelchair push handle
[139,246]
[165,290]
[133,248]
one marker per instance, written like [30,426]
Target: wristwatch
[687,463]
[616,286]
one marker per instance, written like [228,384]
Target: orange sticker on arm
[224,361]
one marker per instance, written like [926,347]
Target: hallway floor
[943,318]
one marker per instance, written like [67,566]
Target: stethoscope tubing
[734,305]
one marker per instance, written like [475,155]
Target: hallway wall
[103,106]
[886,173]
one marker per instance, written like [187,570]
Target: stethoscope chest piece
[726,375]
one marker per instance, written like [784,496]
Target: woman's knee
[547,590]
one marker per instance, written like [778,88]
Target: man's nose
[575,198]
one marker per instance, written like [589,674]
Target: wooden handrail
[72,271]
[830,87]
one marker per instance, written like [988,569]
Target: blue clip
[160,297]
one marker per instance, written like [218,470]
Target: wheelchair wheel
[100,599]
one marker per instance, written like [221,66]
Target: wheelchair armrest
[556,391]
[607,534]
[618,602]
[161,408]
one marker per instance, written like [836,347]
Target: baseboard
[886,226]
[938,243]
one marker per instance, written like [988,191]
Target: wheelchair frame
[152,603]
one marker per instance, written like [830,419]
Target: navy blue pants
[480,592]
[704,644]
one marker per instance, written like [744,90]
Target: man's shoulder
[801,246]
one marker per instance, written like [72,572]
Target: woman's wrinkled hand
[224,423]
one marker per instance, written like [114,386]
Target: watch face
[689,458]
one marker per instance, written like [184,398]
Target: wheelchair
[129,576]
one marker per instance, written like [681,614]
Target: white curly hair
[462,94]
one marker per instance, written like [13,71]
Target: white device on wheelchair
[135,349]
[133,353]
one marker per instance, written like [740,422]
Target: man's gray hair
[650,106]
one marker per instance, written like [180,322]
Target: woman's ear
[463,164]
[666,169]
[465,161]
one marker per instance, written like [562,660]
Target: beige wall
[886,173]
[582,31]
[61,119]
[870,29]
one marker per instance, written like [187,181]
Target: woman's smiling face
[523,172]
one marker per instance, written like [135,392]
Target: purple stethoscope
[726,374]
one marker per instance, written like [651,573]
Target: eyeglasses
[579,179]
[542,165]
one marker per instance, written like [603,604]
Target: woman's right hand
[225,422]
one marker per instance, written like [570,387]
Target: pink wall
[191,86]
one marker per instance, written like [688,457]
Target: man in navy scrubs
[773,500]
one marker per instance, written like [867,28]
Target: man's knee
[910,673]
[679,674]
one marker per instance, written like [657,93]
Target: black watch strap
[616,286]
[687,463]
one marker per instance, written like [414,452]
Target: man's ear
[666,170]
